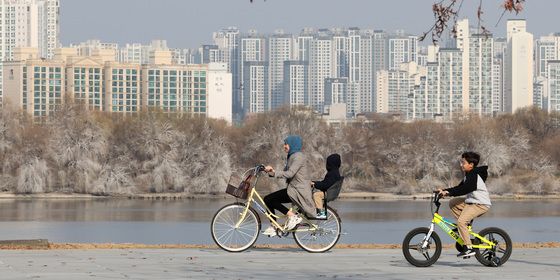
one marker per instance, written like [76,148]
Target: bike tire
[324,238]
[418,235]
[227,236]
[496,256]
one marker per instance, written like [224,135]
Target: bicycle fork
[427,237]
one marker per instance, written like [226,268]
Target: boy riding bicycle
[476,202]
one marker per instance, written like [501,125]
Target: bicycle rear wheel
[319,236]
[500,253]
[417,255]
[229,237]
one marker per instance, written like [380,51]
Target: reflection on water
[188,221]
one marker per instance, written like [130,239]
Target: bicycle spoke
[244,233]
[220,237]
[414,247]
[426,255]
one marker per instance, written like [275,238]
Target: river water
[188,221]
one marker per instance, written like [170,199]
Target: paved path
[264,264]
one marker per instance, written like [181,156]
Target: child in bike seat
[319,187]
[477,199]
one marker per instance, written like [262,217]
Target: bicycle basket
[243,186]
[333,192]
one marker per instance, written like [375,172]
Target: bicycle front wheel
[417,254]
[320,236]
[500,253]
[230,232]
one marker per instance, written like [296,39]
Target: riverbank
[179,196]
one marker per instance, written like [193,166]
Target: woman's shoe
[270,231]
[293,221]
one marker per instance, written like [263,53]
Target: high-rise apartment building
[227,40]
[402,49]
[336,91]
[320,68]
[28,23]
[252,49]
[480,73]
[255,87]
[280,50]
[296,82]
[518,86]
[553,86]
[380,58]
[547,48]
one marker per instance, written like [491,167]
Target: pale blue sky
[190,23]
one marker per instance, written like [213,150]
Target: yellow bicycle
[422,246]
[236,227]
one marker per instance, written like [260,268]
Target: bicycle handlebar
[435,200]
[259,168]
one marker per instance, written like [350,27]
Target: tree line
[79,151]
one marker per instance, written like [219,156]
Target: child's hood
[482,171]
[333,162]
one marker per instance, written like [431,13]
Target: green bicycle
[422,246]
[236,227]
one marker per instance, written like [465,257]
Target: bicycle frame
[255,198]
[447,227]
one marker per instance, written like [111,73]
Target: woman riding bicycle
[298,191]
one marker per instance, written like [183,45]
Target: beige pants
[464,213]
[318,197]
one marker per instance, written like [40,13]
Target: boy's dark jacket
[468,185]
[333,173]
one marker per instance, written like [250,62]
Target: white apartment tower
[361,74]
[463,43]
[303,42]
[320,68]
[227,41]
[451,82]
[497,87]
[296,83]
[380,58]
[252,49]
[547,48]
[481,70]
[255,87]
[553,88]
[280,50]
[49,27]
[402,49]
[518,86]
[28,23]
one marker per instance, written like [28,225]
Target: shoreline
[128,246]
[184,196]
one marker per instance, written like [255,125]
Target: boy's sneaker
[467,254]
[270,231]
[322,214]
[293,221]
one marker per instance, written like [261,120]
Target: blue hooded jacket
[295,143]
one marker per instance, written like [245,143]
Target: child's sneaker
[293,221]
[270,231]
[321,214]
[467,254]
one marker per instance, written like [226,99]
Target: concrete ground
[264,264]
